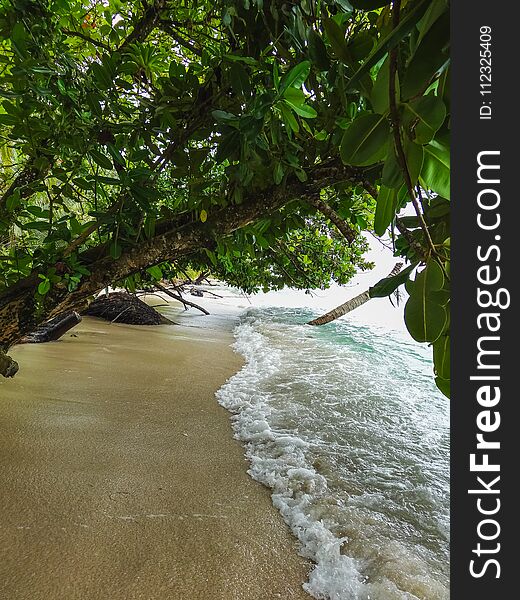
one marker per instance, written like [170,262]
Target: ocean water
[345,425]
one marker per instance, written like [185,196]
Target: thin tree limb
[180,298]
[348,232]
[396,127]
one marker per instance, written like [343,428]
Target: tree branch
[179,298]
[169,29]
[145,25]
[396,127]
[18,313]
[87,38]
[348,232]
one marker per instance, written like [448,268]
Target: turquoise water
[345,425]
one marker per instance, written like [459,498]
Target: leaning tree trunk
[351,304]
[22,310]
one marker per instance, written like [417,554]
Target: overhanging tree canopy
[257,138]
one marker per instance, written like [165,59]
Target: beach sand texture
[119,477]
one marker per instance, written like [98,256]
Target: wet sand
[120,480]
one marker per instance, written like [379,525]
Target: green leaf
[433,277]
[203,216]
[318,51]
[295,77]
[380,96]
[392,176]
[406,25]
[301,174]
[435,173]
[9,120]
[387,286]
[435,10]
[278,173]
[13,201]
[303,110]
[61,87]
[443,385]
[295,96]
[424,316]
[228,145]
[225,117]
[82,183]
[337,40]
[429,57]
[18,40]
[365,141]
[116,154]
[410,221]
[239,79]
[385,209]
[102,76]
[427,114]
[44,287]
[289,120]
[149,226]
[115,250]
[414,155]
[101,159]
[360,45]
[441,357]
[93,101]
[155,272]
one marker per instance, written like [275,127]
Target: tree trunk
[342,309]
[349,305]
[53,330]
[21,312]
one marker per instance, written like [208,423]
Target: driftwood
[180,298]
[54,329]
[122,307]
[198,293]
[8,366]
[351,304]
[203,276]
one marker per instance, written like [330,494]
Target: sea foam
[274,404]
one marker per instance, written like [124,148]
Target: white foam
[278,460]
[279,403]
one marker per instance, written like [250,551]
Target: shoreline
[108,492]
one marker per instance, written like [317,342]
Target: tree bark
[179,298]
[8,366]
[19,309]
[53,330]
[349,305]
[348,232]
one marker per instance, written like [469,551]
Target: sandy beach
[120,479]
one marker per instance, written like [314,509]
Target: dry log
[54,329]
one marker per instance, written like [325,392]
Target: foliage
[126,123]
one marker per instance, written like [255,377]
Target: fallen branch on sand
[179,298]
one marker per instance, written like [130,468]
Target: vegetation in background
[254,138]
